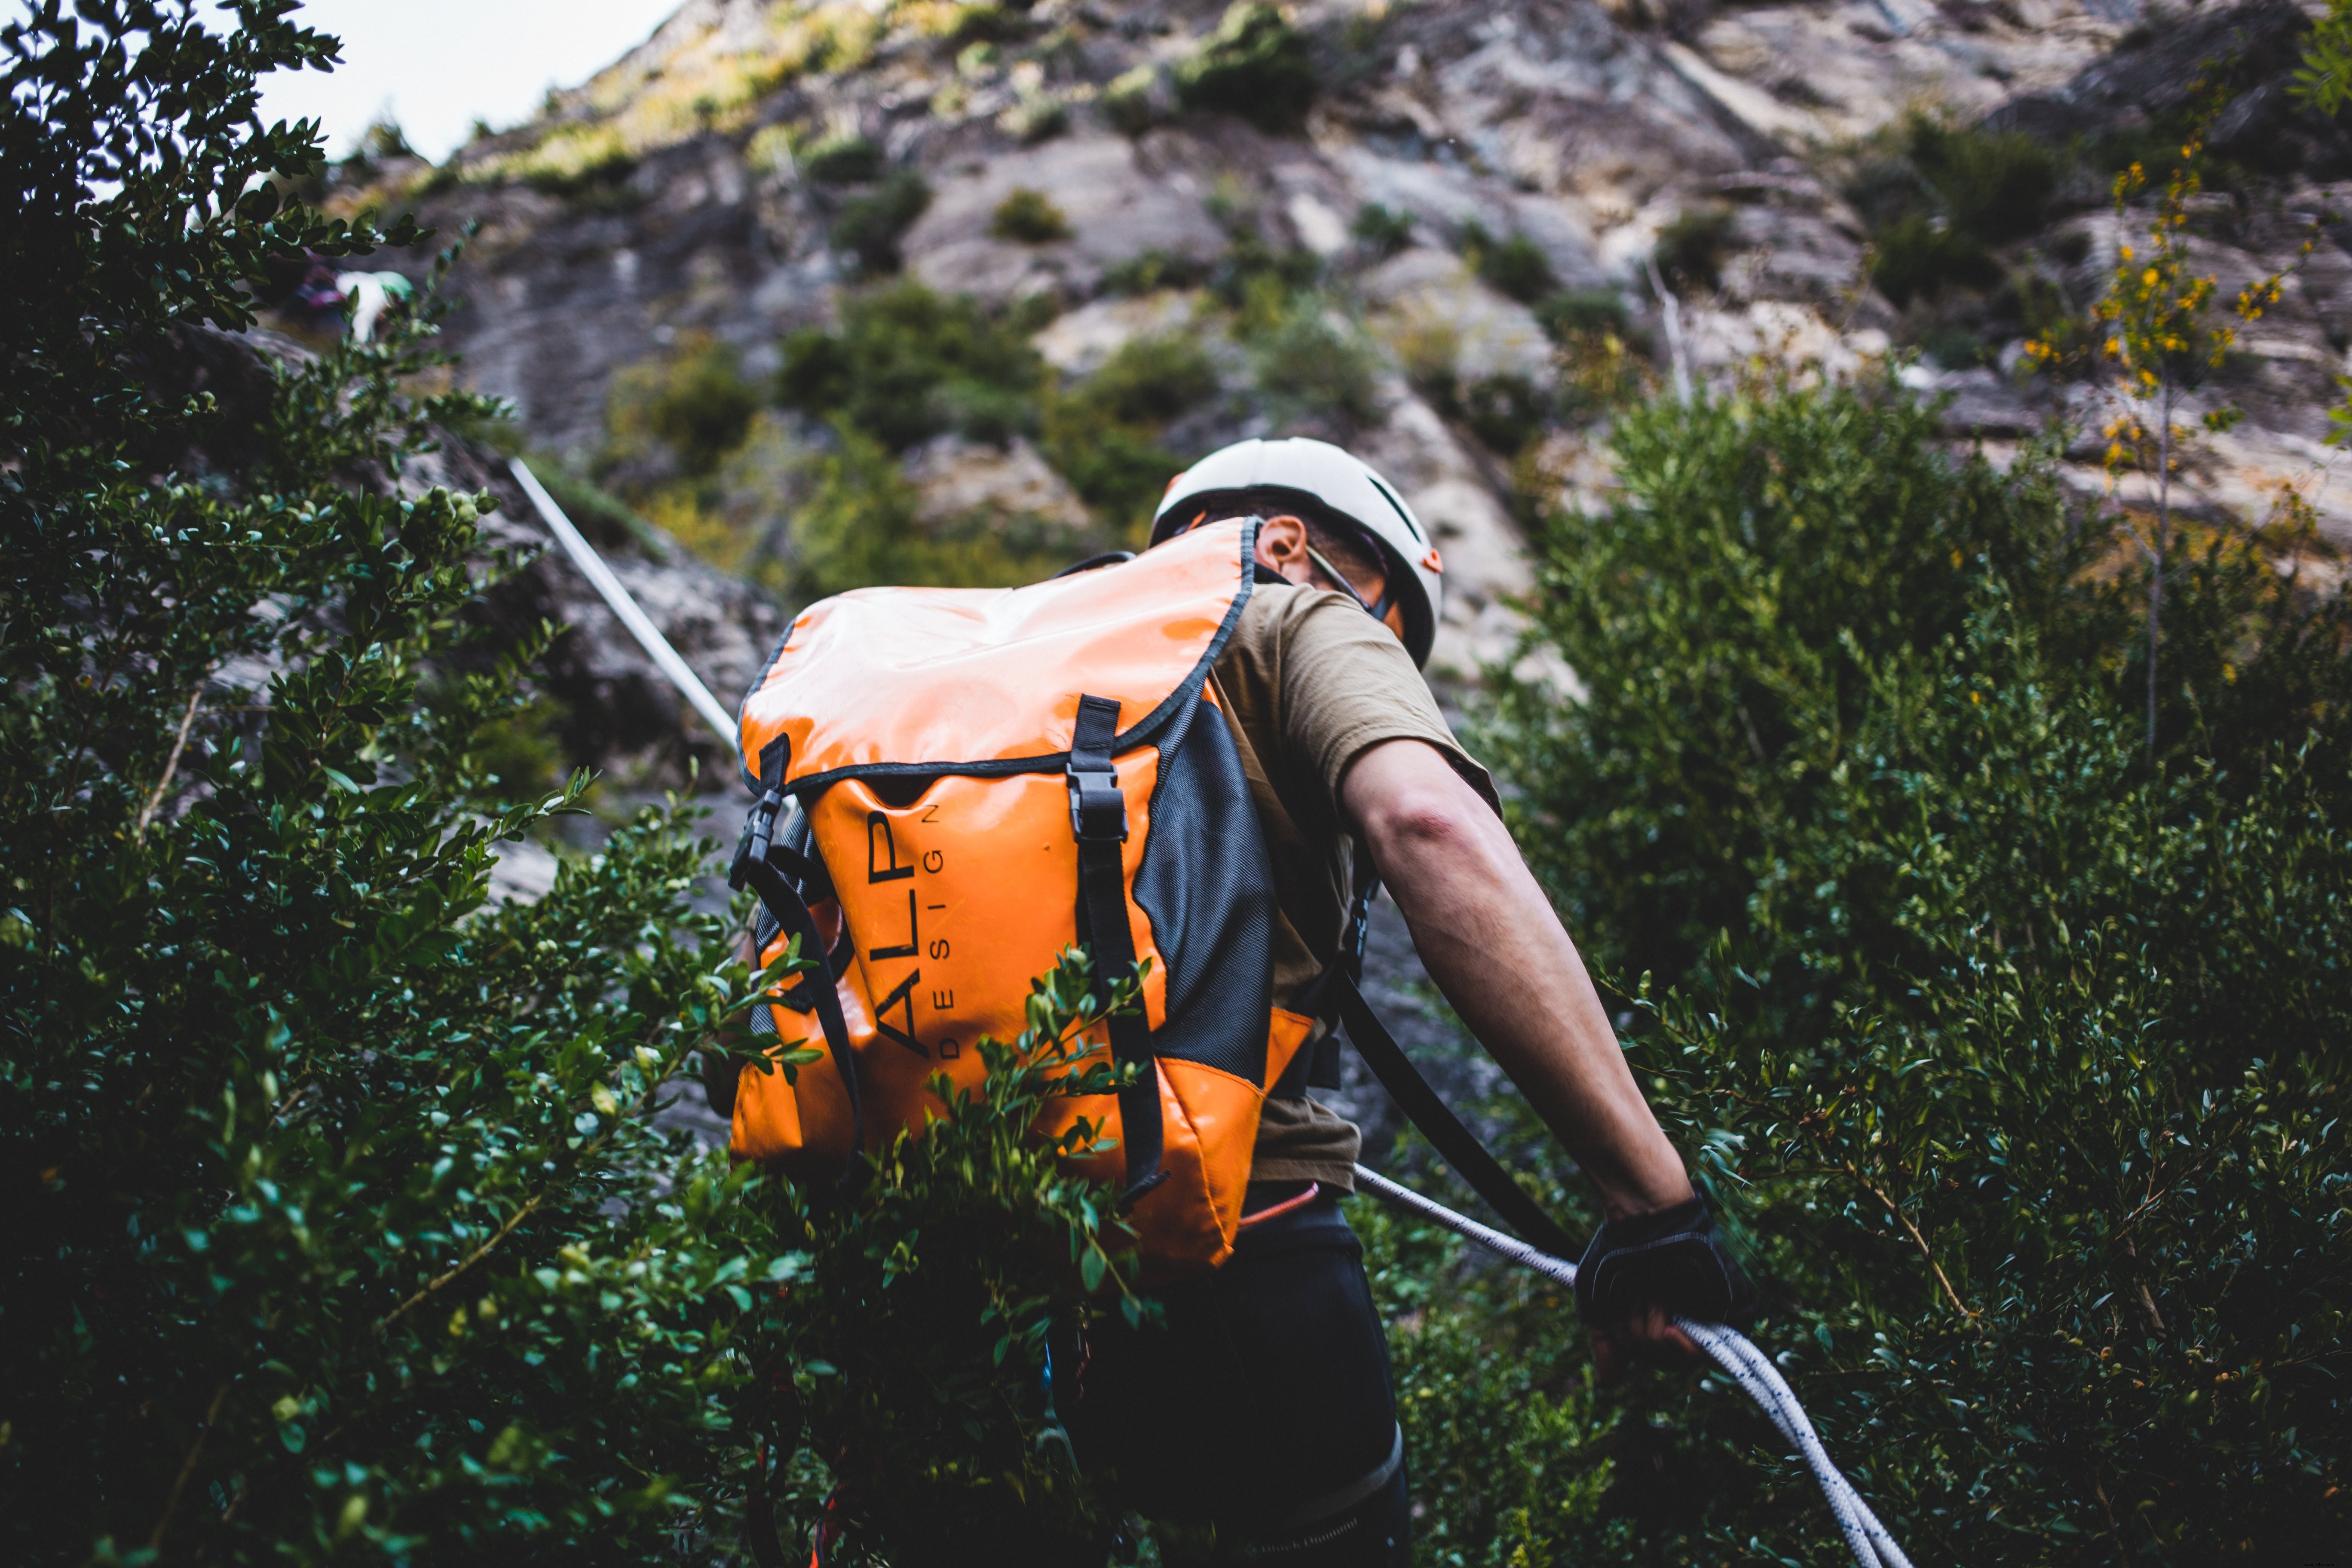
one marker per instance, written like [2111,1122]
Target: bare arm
[1492,942]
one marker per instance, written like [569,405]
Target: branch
[1916,1239]
[195,1451]
[171,764]
[442,1281]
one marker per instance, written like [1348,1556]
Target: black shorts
[1262,1405]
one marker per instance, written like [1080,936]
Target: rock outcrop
[699,187]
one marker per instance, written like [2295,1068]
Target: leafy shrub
[1150,270]
[1953,348]
[1034,117]
[843,158]
[1254,64]
[1936,209]
[1691,247]
[1153,379]
[339,1224]
[1029,217]
[1137,99]
[1917,257]
[1516,267]
[698,403]
[1504,411]
[868,226]
[1310,365]
[1251,273]
[1119,470]
[919,1328]
[1508,1443]
[1380,231]
[1102,435]
[859,526]
[2011,1049]
[1992,187]
[1573,312]
[906,364]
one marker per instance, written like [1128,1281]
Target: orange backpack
[984,777]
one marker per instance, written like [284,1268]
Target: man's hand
[1493,944]
[1640,1273]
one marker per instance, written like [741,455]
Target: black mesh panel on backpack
[1206,884]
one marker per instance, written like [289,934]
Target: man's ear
[1282,546]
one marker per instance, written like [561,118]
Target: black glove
[1672,1259]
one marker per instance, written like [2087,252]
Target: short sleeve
[1349,685]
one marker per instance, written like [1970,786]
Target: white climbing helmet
[1336,482]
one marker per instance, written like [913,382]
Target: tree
[337,1220]
[2012,1050]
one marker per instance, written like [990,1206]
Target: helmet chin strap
[1378,612]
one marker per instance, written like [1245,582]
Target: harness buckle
[1097,808]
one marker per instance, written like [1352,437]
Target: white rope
[1748,1367]
[600,576]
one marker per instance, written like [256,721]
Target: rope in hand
[1867,1539]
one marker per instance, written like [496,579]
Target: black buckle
[1097,808]
[759,832]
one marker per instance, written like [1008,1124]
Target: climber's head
[1329,522]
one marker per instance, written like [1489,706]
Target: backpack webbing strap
[1456,1143]
[760,862]
[1098,821]
[1337,992]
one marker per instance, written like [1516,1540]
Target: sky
[436,66]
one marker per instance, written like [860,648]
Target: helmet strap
[1378,612]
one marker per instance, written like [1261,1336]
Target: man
[1263,1405]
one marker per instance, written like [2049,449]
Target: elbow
[1415,825]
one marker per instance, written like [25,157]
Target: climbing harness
[1867,1539]
[1210,1182]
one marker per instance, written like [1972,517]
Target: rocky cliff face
[720,182]
[1483,210]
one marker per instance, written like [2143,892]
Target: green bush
[341,1226]
[2012,1050]
[1029,217]
[1137,99]
[1575,312]
[698,403]
[1102,435]
[1380,231]
[1992,187]
[906,364]
[1938,208]
[1917,257]
[1153,379]
[1516,267]
[1508,1445]
[1504,411]
[919,1325]
[1148,271]
[1691,247]
[1254,64]
[859,526]
[842,159]
[868,226]
[1308,365]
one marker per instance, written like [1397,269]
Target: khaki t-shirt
[1310,682]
